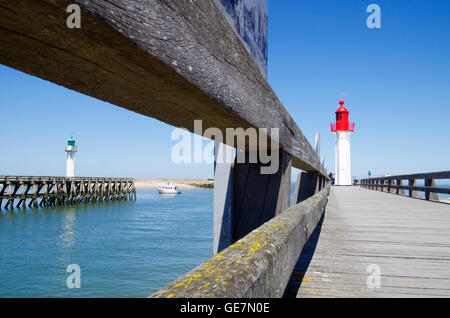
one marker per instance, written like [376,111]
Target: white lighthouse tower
[343,128]
[70,149]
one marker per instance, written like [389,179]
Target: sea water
[123,249]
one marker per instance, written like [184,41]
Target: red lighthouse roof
[342,109]
[342,120]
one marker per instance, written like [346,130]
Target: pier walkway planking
[409,239]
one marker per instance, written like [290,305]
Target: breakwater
[23,192]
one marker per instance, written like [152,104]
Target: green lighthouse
[70,149]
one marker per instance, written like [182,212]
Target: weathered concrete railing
[258,265]
[53,191]
[394,184]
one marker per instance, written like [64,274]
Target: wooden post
[121,189]
[2,193]
[296,190]
[223,197]
[44,189]
[38,190]
[428,194]
[247,198]
[101,190]
[307,185]
[257,197]
[97,190]
[59,191]
[400,191]
[33,194]
[54,188]
[89,191]
[11,194]
[108,191]
[83,191]
[113,190]
[21,202]
[413,193]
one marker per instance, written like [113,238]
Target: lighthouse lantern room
[343,128]
[70,149]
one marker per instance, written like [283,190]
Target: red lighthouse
[342,120]
[343,128]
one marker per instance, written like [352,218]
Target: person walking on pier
[330,175]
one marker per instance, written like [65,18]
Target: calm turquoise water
[127,249]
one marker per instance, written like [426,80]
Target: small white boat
[169,189]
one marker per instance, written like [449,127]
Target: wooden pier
[20,192]
[408,239]
[182,61]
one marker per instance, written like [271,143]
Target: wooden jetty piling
[23,192]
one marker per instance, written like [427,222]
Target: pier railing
[260,264]
[181,62]
[55,191]
[408,185]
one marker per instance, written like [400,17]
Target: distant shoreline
[153,183]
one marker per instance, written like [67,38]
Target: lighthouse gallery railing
[351,127]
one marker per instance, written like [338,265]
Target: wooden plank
[408,239]
[173,60]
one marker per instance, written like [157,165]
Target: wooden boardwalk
[409,239]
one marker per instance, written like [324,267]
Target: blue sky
[395,82]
